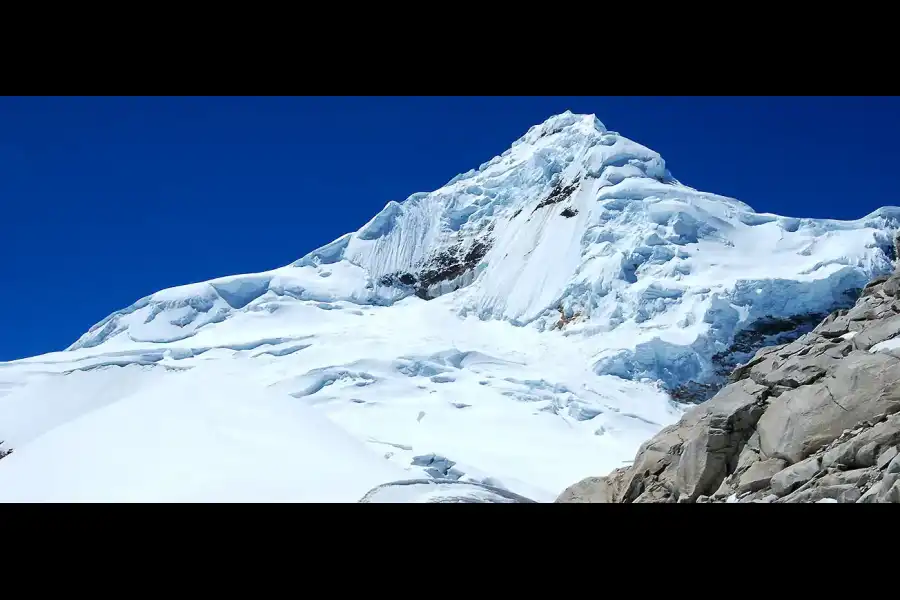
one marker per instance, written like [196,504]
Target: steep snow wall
[578,230]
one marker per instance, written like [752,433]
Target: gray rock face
[814,420]
[885,458]
[593,489]
[759,475]
[892,495]
[857,477]
[801,421]
[871,495]
[718,438]
[796,475]
[891,285]
[844,494]
[885,330]
[859,451]
[894,467]
[835,325]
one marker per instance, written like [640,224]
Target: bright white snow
[511,406]
[201,436]
[438,491]
[534,366]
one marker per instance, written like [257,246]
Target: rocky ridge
[813,420]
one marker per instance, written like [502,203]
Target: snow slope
[197,437]
[440,491]
[520,327]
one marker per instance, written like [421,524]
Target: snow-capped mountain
[526,325]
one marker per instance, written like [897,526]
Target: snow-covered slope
[522,326]
[199,437]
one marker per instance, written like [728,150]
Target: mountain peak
[585,123]
[572,219]
[529,323]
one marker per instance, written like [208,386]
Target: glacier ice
[534,320]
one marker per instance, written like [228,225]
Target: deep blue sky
[106,200]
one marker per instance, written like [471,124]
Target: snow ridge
[575,228]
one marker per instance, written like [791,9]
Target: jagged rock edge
[817,469]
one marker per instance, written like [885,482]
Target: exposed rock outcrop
[443,272]
[814,420]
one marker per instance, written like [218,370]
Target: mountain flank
[528,324]
[814,420]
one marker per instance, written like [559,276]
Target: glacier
[528,324]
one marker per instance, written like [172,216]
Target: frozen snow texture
[194,437]
[440,491]
[522,322]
